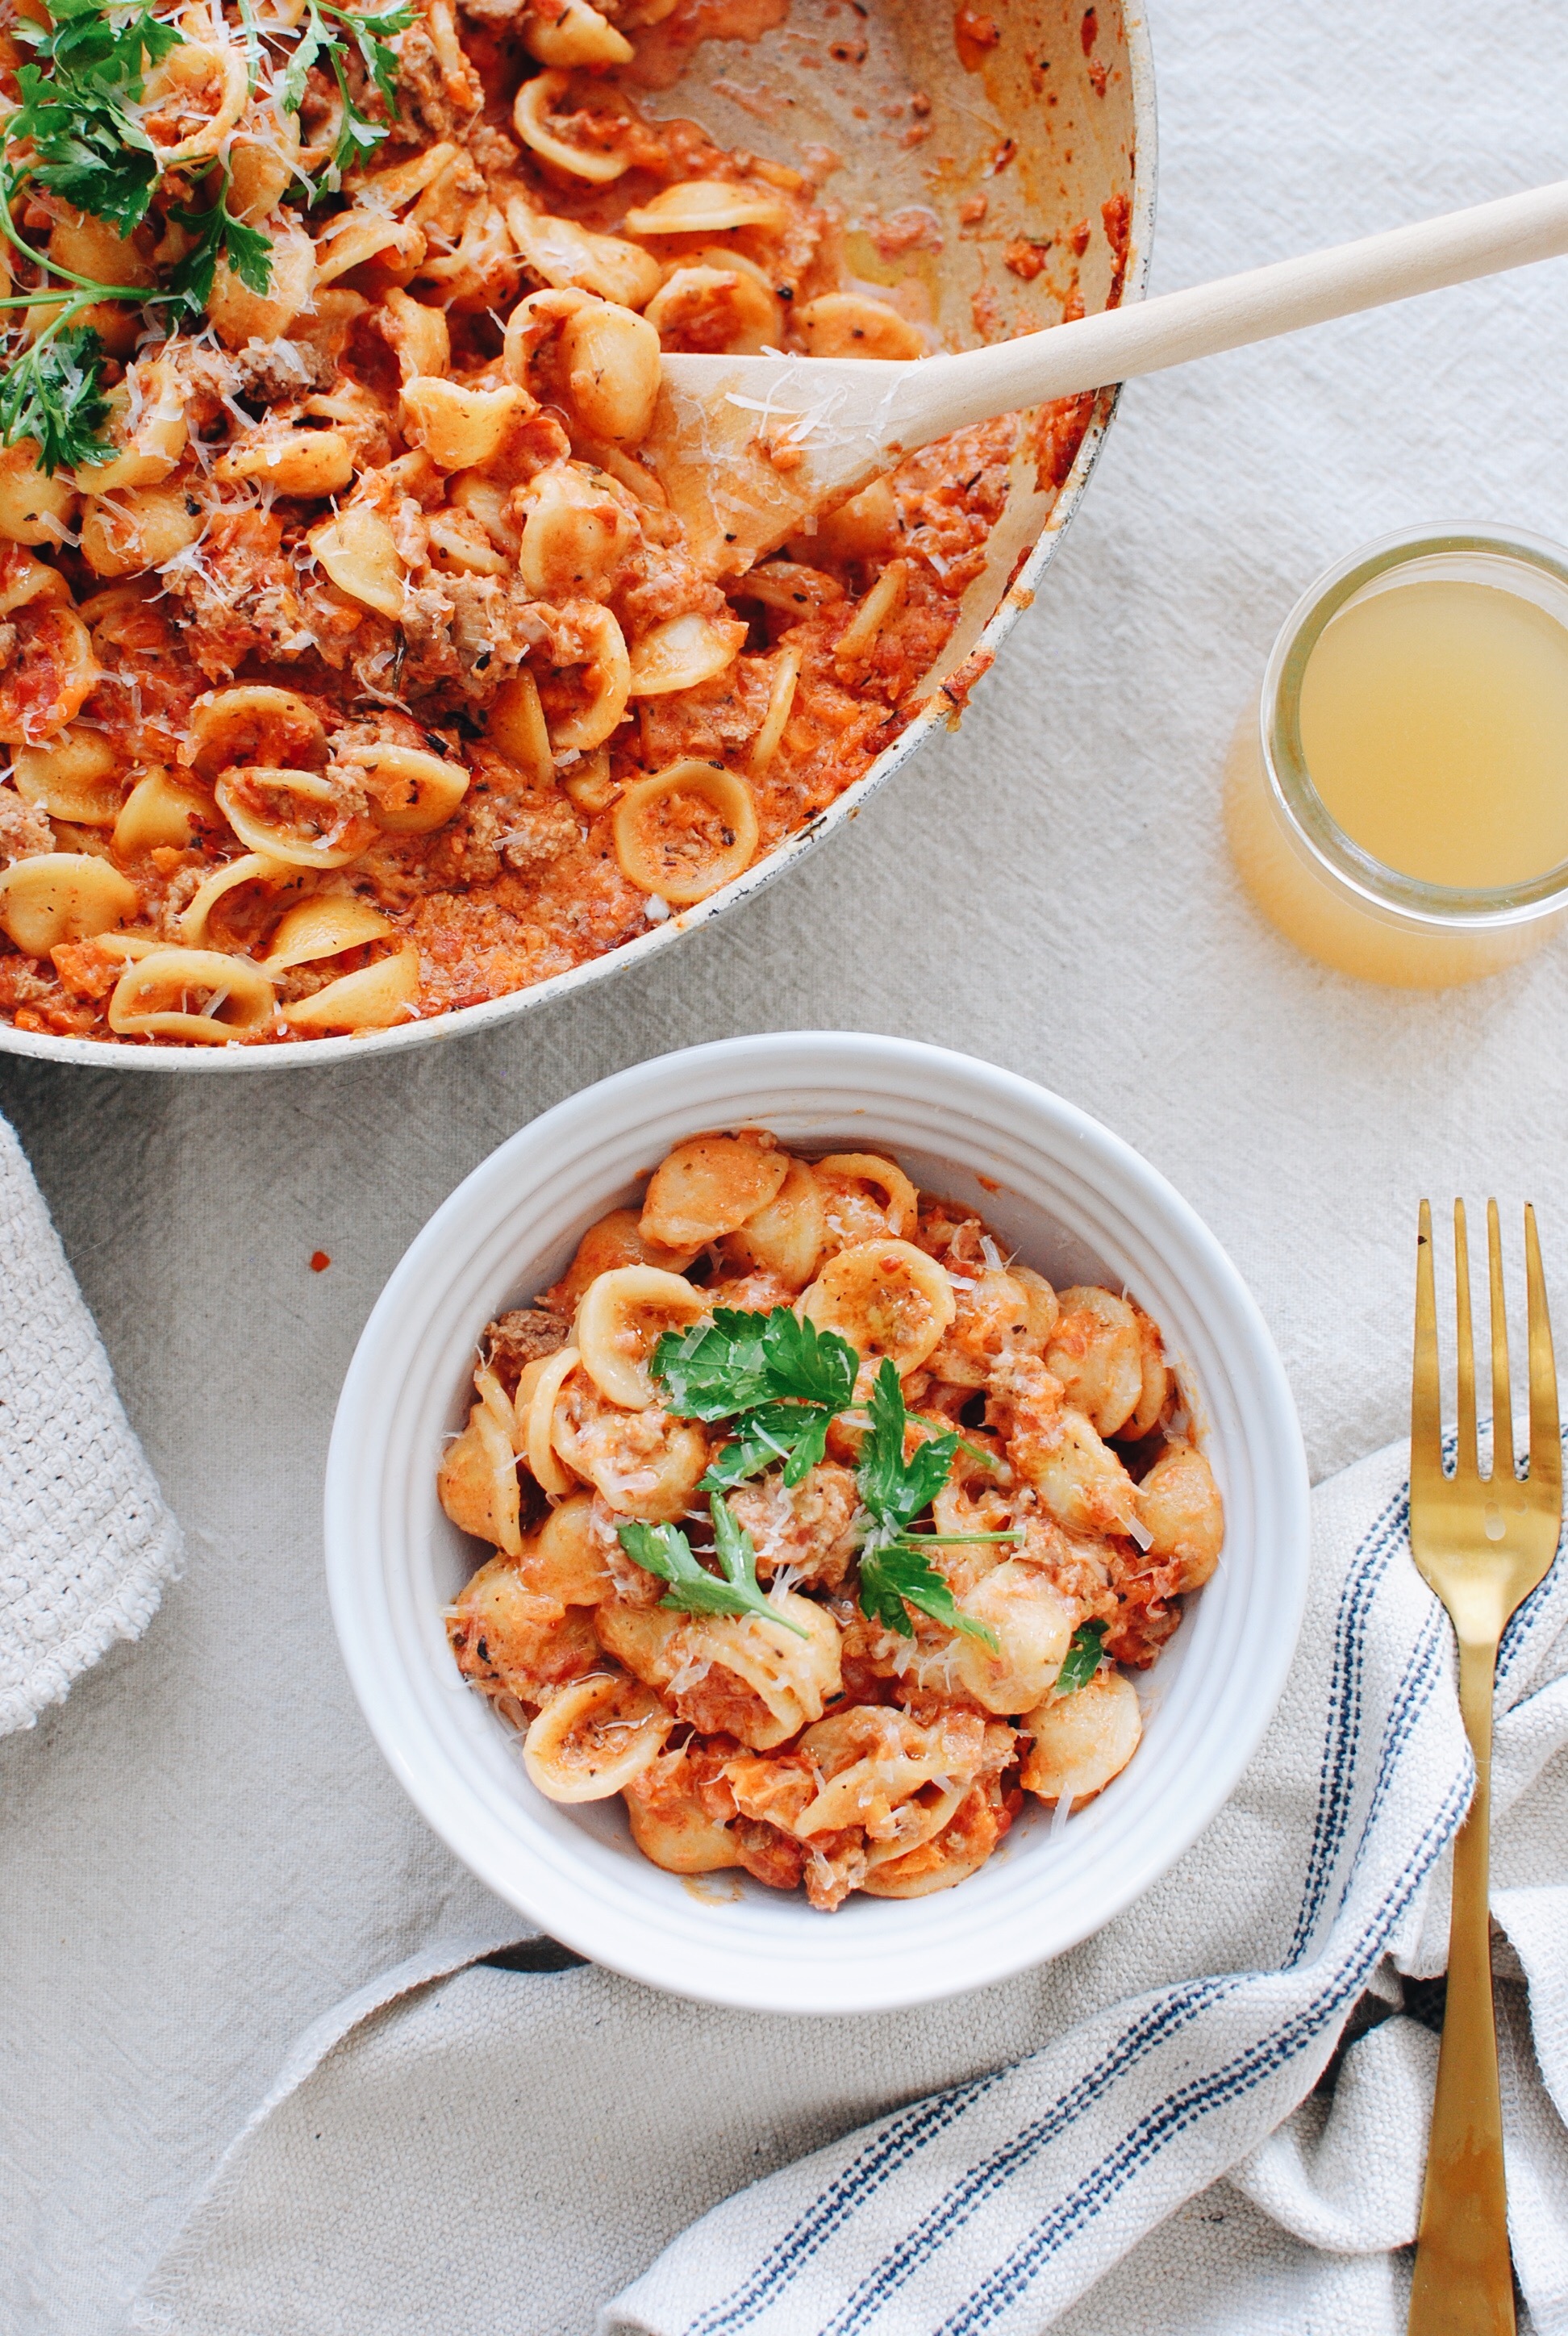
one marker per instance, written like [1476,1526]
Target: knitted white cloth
[86,1543]
[1125,2143]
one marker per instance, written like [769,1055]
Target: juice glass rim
[1335,856]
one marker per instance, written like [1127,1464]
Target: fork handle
[1464,2281]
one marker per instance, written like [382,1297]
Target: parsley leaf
[220,234]
[895,1576]
[738,1361]
[716,1369]
[665,1550]
[794,1433]
[779,1379]
[322,41]
[1082,1660]
[53,392]
[89,69]
[895,1572]
[895,1490]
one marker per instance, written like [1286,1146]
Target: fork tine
[1426,1388]
[1501,1395]
[1465,1464]
[1545,1440]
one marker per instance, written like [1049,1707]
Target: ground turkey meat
[808,1525]
[519,1338]
[25,828]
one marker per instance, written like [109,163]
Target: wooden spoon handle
[947,393]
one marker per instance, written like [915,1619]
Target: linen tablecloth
[202,1851]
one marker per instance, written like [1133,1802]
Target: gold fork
[1482,1544]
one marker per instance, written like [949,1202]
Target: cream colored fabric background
[202,1851]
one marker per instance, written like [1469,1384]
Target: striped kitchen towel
[1212,2117]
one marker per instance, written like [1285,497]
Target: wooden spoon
[749,449]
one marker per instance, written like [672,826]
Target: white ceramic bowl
[1077,1203]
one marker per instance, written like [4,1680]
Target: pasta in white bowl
[676,1780]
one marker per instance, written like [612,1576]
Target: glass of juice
[1398,804]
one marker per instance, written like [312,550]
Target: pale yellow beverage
[1434,724]
[1397,804]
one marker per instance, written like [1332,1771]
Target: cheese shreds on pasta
[372,610]
[855,1668]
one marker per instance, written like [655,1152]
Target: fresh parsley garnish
[780,1382]
[53,392]
[894,1488]
[778,1378]
[89,69]
[792,1433]
[1082,1660]
[896,1575]
[895,1572]
[324,33]
[665,1550]
[218,234]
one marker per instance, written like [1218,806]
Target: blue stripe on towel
[1010,2280]
[993,2173]
[1337,1781]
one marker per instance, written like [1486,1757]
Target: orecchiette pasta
[517,728]
[1082,1741]
[325,928]
[718,301]
[536,107]
[707,207]
[886,1298]
[571,257]
[684,831]
[410,791]
[539,1426]
[644,1463]
[863,1688]
[683,652]
[143,527]
[712,1185]
[589,685]
[622,1315]
[254,725]
[309,462]
[580,36]
[72,779]
[784,1235]
[609,359]
[203,995]
[864,1196]
[847,325]
[303,817]
[592,1738]
[53,673]
[33,509]
[62,896]
[460,428]
[160,811]
[575,531]
[358,551]
[375,997]
[382,574]
[251,868]
[151,442]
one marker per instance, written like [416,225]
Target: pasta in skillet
[330,577]
[823,1535]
